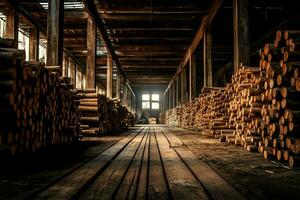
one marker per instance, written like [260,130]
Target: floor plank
[158,188]
[70,185]
[181,181]
[218,188]
[107,183]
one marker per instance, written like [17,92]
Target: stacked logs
[212,117]
[37,106]
[88,105]
[260,109]
[281,106]
[100,115]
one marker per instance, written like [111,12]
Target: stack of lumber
[37,106]
[88,105]
[260,108]
[162,118]
[100,115]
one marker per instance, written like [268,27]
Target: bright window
[150,103]
[155,97]
[145,105]
[155,105]
[145,97]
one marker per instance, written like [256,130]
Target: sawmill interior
[148,99]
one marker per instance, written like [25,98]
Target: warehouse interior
[148,99]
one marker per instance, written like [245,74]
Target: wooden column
[170,98]
[207,59]
[91,54]
[118,86]
[182,79]
[192,79]
[177,91]
[55,32]
[34,37]
[174,94]
[240,33]
[72,71]
[109,86]
[65,65]
[12,26]
[78,76]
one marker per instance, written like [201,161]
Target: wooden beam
[147,17]
[240,33]
[192,77]
[72,67]
[206,21]
[207,59]
[109,84]
[118,86]
[12,26]
[65,65]
[55,33]
[91,53]
[174,95]
[34,36]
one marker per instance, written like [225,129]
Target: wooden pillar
[65,65]
[207,59]
[174,94]
[170,99]
[183,86]
[177,91]
[118,87]
[34,37]
[109,83]
[78,76]
[72,71]
[55,32]
[12,26]
[240,33]
[91,54]
[192,77]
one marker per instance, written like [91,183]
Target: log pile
[260,108]
[100,115]
[37,105]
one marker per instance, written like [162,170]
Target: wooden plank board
[69,186]
[143,175]
[182,183]
[214,183]
[107,183]
[127,189]
[158,188]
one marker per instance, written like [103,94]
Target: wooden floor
[147,162]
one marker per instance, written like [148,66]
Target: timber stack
[100,115]
[38,105]
[259,110]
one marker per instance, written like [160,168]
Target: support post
[118,86]
[207,59]
[12,26]
[91,54]
[174,95]
[192,80]
[34,44]
[177,91]
[72,71]
[55,33]
[240,33]
[109,87]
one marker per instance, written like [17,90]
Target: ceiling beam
[147,17]
[206,22]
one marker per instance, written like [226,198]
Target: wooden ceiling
[150,37]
